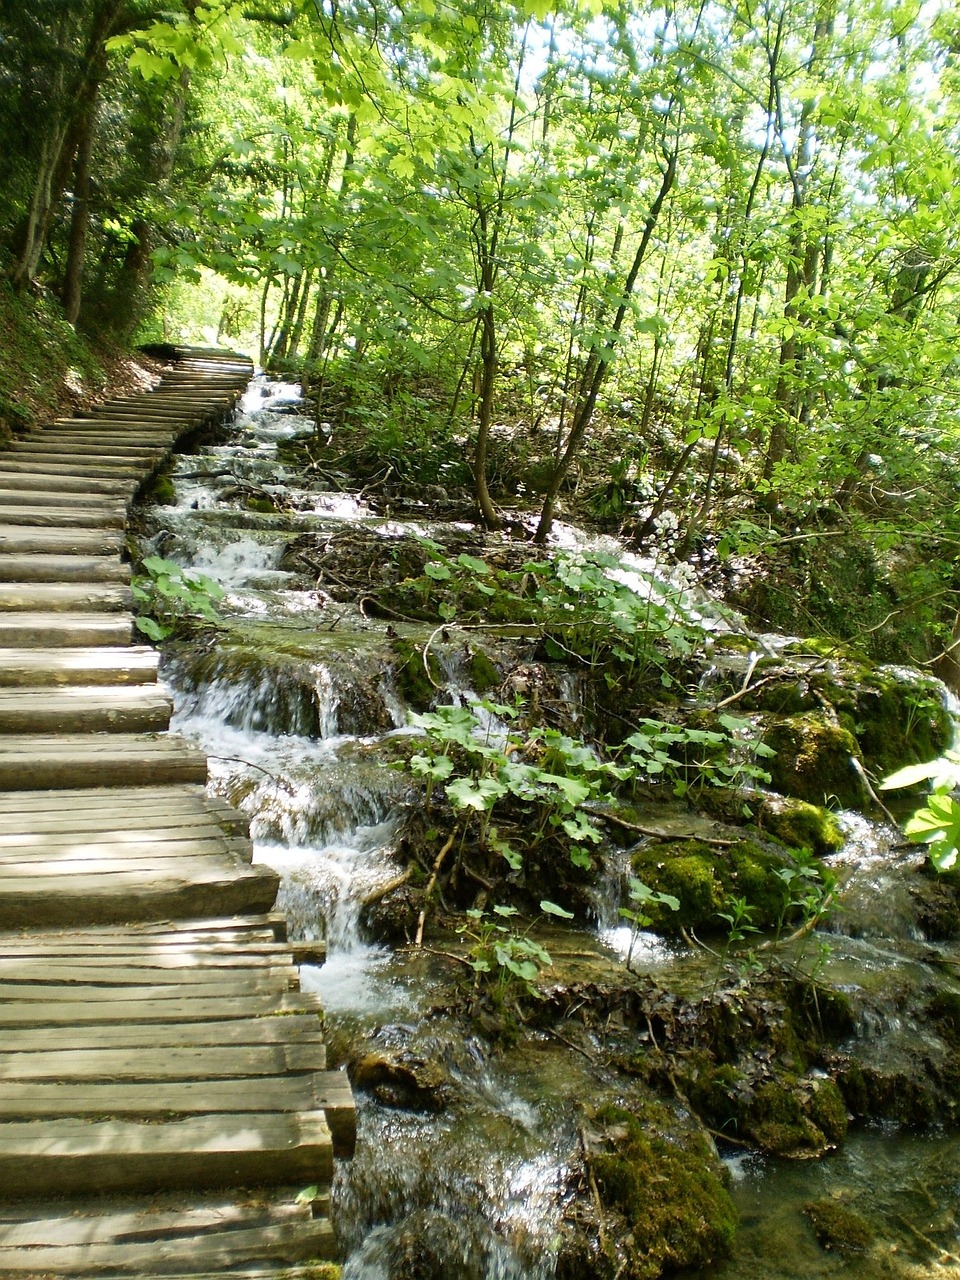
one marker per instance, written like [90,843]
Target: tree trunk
[72,290]
[598,367]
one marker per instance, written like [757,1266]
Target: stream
[298,707]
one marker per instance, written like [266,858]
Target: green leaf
[551,909]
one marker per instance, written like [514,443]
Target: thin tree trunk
[72,291]
[597,368]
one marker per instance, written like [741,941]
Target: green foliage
[691,758]
[541,773]
[936,823]
[502,957]
[173,599]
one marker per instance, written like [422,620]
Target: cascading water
[294,711]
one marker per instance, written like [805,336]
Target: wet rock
[839,1228]
[813,761]
[704,877]
[401,1079]
[650,1198]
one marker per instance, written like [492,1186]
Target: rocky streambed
[729,1043]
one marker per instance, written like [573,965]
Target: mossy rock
[483,673]
[813,760]
[896,717]
[788,1117]
[800,825]
[704,877]
[413,683]
[839,1228]
[666,1185]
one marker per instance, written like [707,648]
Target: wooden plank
[43,567]
[59,596]
[188,1062]
[122,970]
[122,898]
[192,1008]
[169,842]
[51,630]
[113,759]
[327,1091]
[150,1037]
[309,1241]
[65,517]
[68,1156]
[93,799]
[116,825]
[78,665]
[39,465]
[52,495]
[120,709]
[22,539]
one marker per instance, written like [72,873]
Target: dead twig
[434,873]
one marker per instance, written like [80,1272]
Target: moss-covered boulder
[791,1117]
[663,1197]
[704,877]
[799,825]
[813,760]
[839,1228]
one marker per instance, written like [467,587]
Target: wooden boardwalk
[165,1107]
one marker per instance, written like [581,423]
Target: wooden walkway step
[153,1037]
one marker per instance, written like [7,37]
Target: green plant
[503,957]
[549,776]
[693,758]
[642,896]
[937,822]
[171,597]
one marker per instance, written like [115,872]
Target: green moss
[483,673]
[828,1111]
[813,760]
[837,1227]
[944,1011]
[264,506]
[704,877]
[685,869]
[413,683]
[788,1117]
[800,825]
[668,1190]
[162,492]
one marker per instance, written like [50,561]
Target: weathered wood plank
[36,761]
[191,1062]
[327,1091]
[124,898]
[51,630]
[62,568]
[173,842]
[79,665]
[194,1008]
[65,517]
[55,597]
[150,1037]
[64,1156]
[120,709]
[21,539]
[307,1241]
[148,799]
